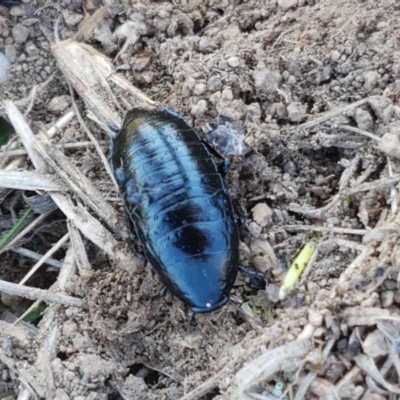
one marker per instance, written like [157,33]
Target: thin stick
[44,258]
[39,294]
[64,120]
[20,235]
[360,131]
[327,116]
[35,256]
[22,152]
[314,228]
[92,138]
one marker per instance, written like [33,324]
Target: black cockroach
[179,206]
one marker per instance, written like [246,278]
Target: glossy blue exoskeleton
[179,206]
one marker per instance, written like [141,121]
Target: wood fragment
[29,180]
[39,294]
[330,114]
[88,225]
[44,258]
[35,256]
[81,185]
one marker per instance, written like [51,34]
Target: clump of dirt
[314,88]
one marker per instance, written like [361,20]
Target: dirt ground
[313,87]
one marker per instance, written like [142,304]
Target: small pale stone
[375,345]
[199,89]
[254,229]
[370,80]
[335,55]
[81,343]
[206,45]
[61,394]
[17,11]
[390,144]
[364,120]
[261,214]
[373,396]
[262,263]
[188,86]
[296,112]
[11,52]
[20,33]
[397,296]
[234,62]
[272,293]
[58,104]
[376,41]
[266,81]
[214,83]
[315,318]
[31,50]
[200,108]
[4,68]
[286,4]
[72,19]
[387,298]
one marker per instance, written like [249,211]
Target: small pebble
[315,318]
[390,144]
[272,292]
[254,229]
[234,62]
[261,214]
[58,104]
[200,108]
[20,33]
[364,120]
[266,81]
[387,298]
[296,112]
[206,45]
[286,4]
[370,80]
[262,263]
[17,11]
[4,68]
[199,89]
[375,345]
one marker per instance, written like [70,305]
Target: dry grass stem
[374,185]
[63,121]
[78,182]
[92,75]
[29,180]
[360,131]
[314,228]
[367,364]
[269,364]
[39,294]
[307,380]
[79,248]
[90,22]
[44,258]
[88,225]
[323,212]
[329,115]
[68,269]
[92,139]
[21,152]
[35,256]
[26,230]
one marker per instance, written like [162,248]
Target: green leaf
[18,226]
[35,314]
[5,131]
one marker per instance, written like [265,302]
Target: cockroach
[179,206]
